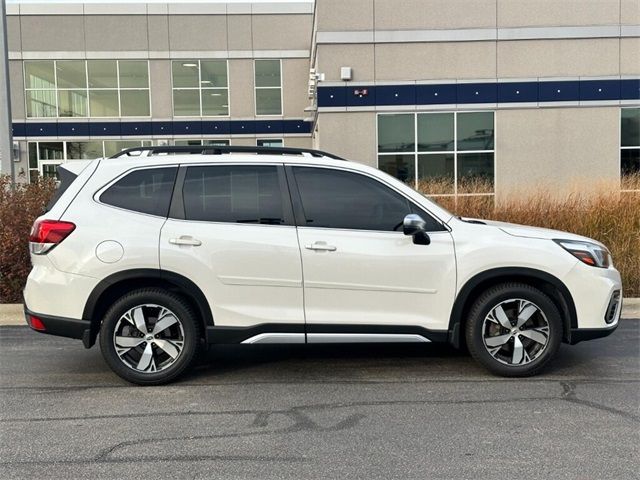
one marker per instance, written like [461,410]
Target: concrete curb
[12,313]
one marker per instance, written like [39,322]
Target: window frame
[256,88]
[199,88]
[87,89]
[177,210]
[300,218]
[625,147]
[416,152]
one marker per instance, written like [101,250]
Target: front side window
[338,199]
[440,153]
[268,86]
[145,191]
[234,194]
[200,88]
[630,148]
[87,88]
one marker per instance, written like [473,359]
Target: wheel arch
[115,285]
[473,288]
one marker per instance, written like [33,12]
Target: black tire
[490,299]
[186,318]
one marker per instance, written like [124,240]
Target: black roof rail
[222,149]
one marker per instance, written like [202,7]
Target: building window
[87,88]
[44,157]
[196,142]
[269,142]
[630,148]
[439,153]
[200,88]
[268,87]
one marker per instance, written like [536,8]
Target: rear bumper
[62,327]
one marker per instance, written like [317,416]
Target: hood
[535,232]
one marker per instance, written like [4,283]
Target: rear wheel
[149,336]
[514,330]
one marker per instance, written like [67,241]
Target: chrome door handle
[185,240]
[321,246]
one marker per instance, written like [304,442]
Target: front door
[235,239]
[361,273]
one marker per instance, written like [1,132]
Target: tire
[513,330]
[150,352]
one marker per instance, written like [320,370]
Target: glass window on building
[440,153]
[269,142]
[630,148]
[87,88]
[206,141]
[200,88]
[268,87]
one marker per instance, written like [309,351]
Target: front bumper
[581,334]
[62,327]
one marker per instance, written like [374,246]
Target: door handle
[321,246]
[185,240]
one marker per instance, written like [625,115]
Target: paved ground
[320,412]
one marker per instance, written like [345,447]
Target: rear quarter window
[146,191]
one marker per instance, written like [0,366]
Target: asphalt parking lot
[299,412]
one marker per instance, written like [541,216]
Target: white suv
[163,250]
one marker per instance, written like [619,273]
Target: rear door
[231,232]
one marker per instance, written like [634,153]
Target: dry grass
[604,213]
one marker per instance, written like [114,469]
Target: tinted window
[146,191]
[338,199]
[233,193]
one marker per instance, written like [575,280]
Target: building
[460,97]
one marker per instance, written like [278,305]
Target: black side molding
[581,334]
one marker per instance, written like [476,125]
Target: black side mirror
[415,226]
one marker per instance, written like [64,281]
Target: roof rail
[222,149]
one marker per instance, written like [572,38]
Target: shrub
[19,207]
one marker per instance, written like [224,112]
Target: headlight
[587,252]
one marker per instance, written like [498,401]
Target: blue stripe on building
[473,93]
[124,128]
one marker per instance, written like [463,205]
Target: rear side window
[146,191]
[338,199]
[233,194]
[65,179]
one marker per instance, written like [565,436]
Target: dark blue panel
[296,126]
[162,128]
[242,126]
[135,128]
[567,91]
[477,92]
[215,127]
[518,92]
[599,89]
[361,96]
[396,95]
[630,89]
[73,129]
[332,96]
[268,126]
[436,94]
[187,128]
[99,129]
[42,129]
[18,130]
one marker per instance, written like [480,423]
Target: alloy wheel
[515,332]
[148,338]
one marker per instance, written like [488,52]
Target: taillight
[46,234]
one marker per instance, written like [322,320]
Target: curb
[12,313]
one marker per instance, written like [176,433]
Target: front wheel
[149,336]
[514,330]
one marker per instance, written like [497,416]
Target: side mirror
[415,226]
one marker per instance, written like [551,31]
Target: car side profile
[161,251]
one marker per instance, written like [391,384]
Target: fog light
[610,315]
